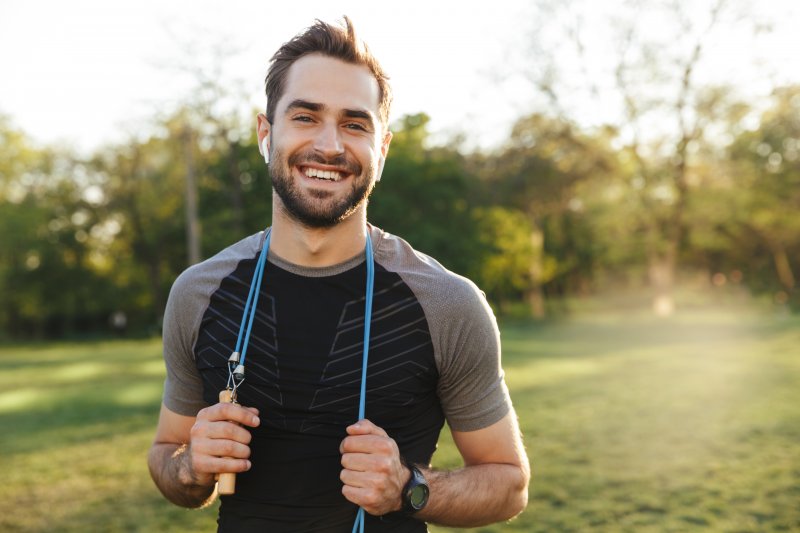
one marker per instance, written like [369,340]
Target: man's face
[327,143]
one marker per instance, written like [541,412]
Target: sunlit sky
[86,73]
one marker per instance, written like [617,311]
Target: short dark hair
[335,41]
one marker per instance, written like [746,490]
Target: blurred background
[546,150]
[619,177]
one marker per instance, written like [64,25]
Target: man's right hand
[219,443]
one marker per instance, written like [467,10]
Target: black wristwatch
[415,493]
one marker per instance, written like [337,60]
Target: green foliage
[542,171]
[49,283]
[747,218]
[504,268]
[542,162]
[423,197]
[557,211]
[235,194]
[83,240]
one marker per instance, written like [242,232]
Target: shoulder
[219,265]
[432,283]
[456,310]
[192,290]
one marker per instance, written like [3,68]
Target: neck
[317,247]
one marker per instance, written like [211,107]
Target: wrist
[416,492]
[405,476]
[186,475]
[170,468]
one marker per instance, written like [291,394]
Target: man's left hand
[372,473]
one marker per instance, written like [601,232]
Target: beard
[319,208]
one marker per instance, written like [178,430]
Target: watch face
[418,496]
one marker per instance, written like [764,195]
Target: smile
[327,175]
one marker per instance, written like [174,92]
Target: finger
[367,498]
[232,412]
[355,478]
[227,431]
[358,462]
[355,495]
[223,448]
[372,444]
[220,465]
[365,427]
[203,429]
[373,464]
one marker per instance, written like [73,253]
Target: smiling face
[327,142]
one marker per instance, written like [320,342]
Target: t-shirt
[434,356]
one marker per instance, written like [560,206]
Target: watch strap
[416,491]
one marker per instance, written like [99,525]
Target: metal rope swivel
[235,375]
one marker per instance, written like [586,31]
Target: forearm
[475,495]
[171,470]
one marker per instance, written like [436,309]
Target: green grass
[632,424]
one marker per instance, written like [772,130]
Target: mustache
[340,161]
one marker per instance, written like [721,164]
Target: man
[304,461]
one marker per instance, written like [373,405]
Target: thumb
[365,427]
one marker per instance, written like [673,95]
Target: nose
[328,141]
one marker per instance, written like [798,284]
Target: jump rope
[227,481]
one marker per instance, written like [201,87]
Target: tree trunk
[783,267]
[237,203]
[661,275]
[192,218]
[535,295]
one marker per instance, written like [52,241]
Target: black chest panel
[303,373]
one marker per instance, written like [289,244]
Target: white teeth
[323,174]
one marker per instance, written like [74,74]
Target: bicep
[172,427]
[499,443]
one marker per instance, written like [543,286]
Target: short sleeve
[183,389]
[472,387]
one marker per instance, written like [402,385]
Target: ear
[263,129]
[387,139]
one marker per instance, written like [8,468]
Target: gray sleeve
[471,388]
[183,388]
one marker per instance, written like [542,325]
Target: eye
[355,126]
[302,118]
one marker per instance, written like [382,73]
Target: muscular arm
[492,486]
[189,452]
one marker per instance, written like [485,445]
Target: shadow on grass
[78,420]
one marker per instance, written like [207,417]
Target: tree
[537,173]
[763,196]
[50,281]
[143,190]
[506,254]
[646,87]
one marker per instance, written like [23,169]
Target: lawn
[631,423]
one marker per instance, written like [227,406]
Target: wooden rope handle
[226,484]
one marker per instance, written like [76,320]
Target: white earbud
[380,169]
[265,150]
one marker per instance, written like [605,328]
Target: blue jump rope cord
[257,275]
[260,269]
[250,313]
[362,404]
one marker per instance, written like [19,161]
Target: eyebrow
[317,107]
[305,104]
